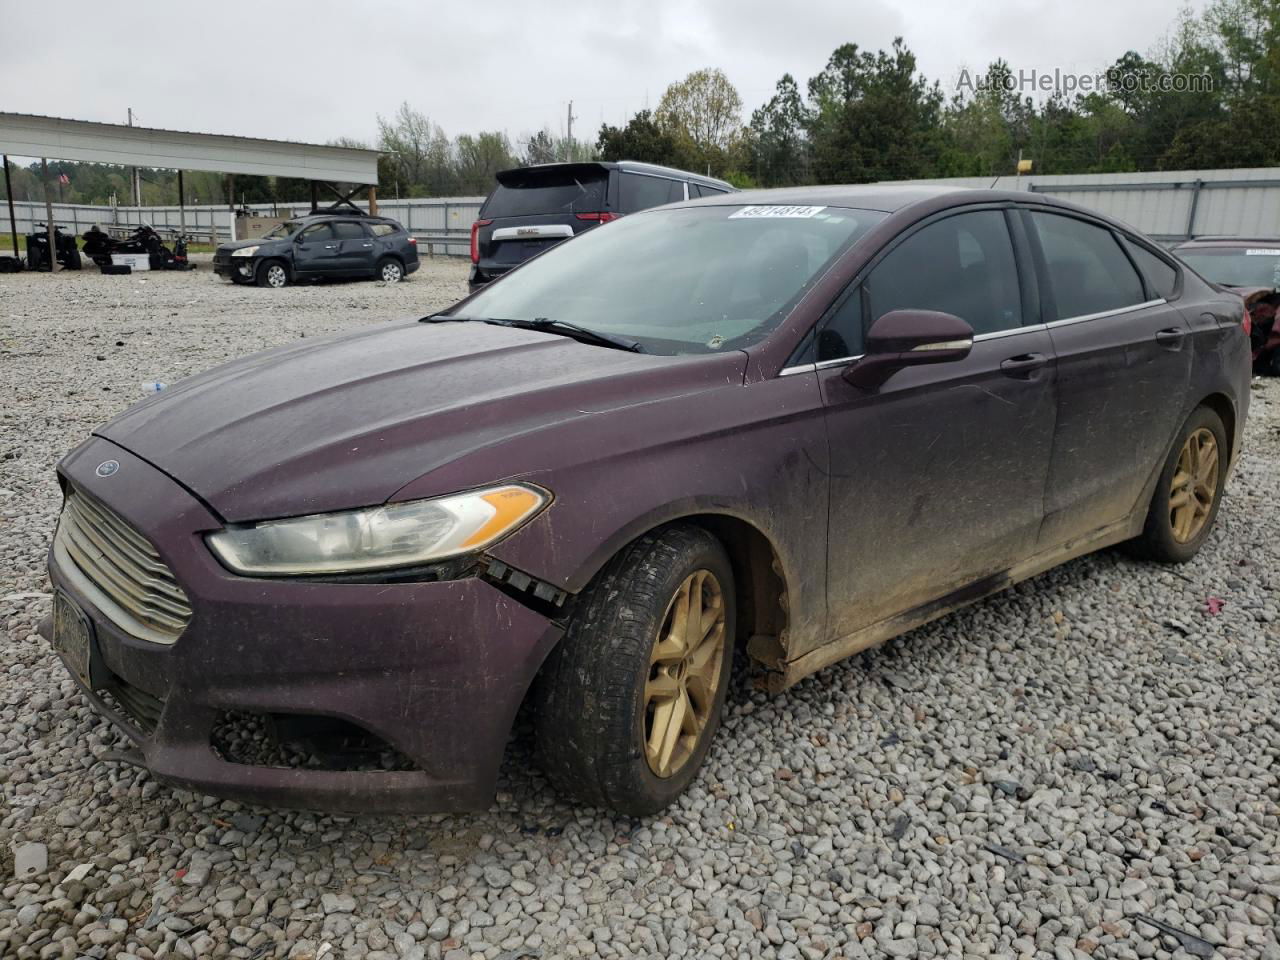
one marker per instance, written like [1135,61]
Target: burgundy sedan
[783,425]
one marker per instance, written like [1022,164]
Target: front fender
[756,453]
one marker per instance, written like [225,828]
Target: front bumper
[435,670]
[240,266]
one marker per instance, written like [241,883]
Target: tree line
[866,116]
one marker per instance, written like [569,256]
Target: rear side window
[1162,278]
[383,229]
[962,265]
[347,230]
[549,192]
[1088,271]
[640,192]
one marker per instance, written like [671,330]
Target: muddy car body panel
[850,513]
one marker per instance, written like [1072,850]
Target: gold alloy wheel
[684,673]
[1194,485]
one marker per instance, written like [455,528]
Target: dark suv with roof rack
[533,208]
[342,245]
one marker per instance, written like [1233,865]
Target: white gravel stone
[1019,779]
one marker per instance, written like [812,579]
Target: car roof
[1227,243]
[891,198]
[633,166]
[357,215]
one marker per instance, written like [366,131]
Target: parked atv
[38,249]
[99,246]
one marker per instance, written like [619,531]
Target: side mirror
[909,338]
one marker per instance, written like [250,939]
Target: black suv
[533,208]
[318,246]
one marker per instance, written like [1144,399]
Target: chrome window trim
[815,367]
[993,335]
[1106,313]
[1011,332]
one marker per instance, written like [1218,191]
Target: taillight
[475,239]
[598,217]
[414,241]
[1247,323]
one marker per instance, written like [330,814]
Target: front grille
[122,572]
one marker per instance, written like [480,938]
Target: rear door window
[1088,271]
[962,265]
[1162,278]
[348,230]
[640,192]
[549,192]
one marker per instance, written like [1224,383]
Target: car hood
[345,421]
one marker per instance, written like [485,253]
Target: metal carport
[29,135]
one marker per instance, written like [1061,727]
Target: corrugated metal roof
[33,135]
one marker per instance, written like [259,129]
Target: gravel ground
[1088,765]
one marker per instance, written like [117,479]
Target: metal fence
[444,222]
[1169,206]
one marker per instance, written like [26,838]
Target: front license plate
[72,636]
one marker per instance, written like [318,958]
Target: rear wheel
[390,270]
[629,702]
[273,273]
[1189,491]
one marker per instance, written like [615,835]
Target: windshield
[286,229]
[683,280]
[1241,267]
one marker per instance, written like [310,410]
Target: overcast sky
[318,70]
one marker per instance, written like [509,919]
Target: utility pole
[569,126]
[134,180]
[50,230]
[8,190]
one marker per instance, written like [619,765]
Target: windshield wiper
[547,325]
[583,334]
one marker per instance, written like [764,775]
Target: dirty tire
[1269,365]
[272,273]
[389,270]
[590,696]
[1157,541]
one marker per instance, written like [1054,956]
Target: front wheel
[390,271]
[630,700]
[1188,492]
[273,273]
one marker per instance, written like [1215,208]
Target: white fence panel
[438,219]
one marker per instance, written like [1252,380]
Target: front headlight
[395,535]
[244,252]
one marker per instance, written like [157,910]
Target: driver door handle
[331,246]
[1024,365]
[1170,337]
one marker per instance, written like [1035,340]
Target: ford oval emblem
[107,468]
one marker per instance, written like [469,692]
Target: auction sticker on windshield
[775,210]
